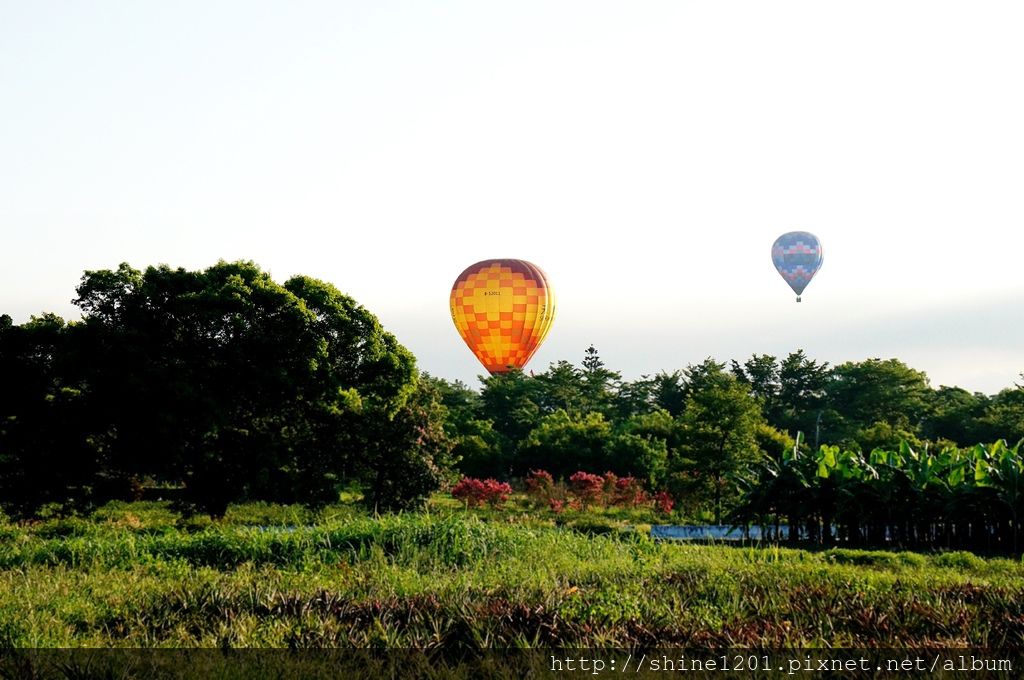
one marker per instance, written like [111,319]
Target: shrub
[541,487]
[586,488]
[874,558]
[664,502]
[628,492]
[960,560]
[476,492]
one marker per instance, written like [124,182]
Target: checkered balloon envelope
[503,309]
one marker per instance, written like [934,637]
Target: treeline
[220,385]
[703,431]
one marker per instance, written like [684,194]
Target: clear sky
[645,154]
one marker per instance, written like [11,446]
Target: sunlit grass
[143,575]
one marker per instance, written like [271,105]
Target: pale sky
[644,154]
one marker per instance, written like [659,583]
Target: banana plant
[1002,470]
[968,497]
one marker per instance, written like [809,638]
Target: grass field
[142,575]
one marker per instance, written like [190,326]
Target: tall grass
[140,575]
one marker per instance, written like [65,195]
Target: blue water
[724,532]
[719,532]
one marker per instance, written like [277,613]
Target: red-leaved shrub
[540,487]
[586,488]
[628,492]
[476,492]
[663,501]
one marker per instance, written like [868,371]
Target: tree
[409,453]
[633,398]
[238,387]
[46,453]
[560,387]
[510,401]
[646,458]
[761,374]
[865,394]
[476,446]
[669,392]
[657,424]
[720,422]
[563,443]
[801,399]
[954,414]
[599,383]
[1003,416]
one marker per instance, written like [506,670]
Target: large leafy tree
[561,387]
[563,443]
[1003,416]
[802,386]
[875,402]
[663,391]
[511,402]
[720,424]
[236,386]
[407,456]
[791,391]
[476,446]
[954,415]
[761,374]
[200,377]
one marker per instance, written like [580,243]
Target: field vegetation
[141,574]
[223,386]
[213,459]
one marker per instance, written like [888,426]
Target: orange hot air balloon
[503,309]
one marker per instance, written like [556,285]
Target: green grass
[284,576]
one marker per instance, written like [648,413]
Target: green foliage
[791,392]
[772,441]
[645,458]
[510,402]
[46,456]
[407,455]
[219,380]
[563,444]
[221,385]
[952,497]
[960,559]
[720,422]
[875,558]
[954,415]
[1004,416]
[599,384]
[874,392]
[476,446]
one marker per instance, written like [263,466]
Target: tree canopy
[220,380]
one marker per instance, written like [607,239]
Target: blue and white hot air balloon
[797,255]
